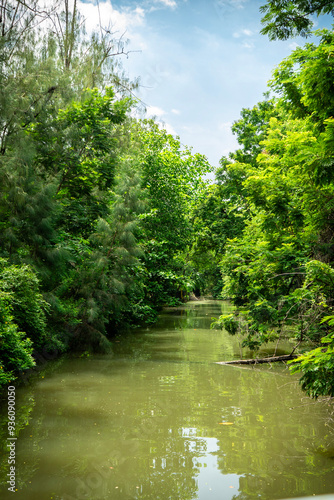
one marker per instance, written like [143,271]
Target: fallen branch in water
[272,359]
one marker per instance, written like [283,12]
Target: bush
[26,302]
[15,349]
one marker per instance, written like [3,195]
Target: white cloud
[238,4]
[225,126]
[167,3]
[175,111]
[293,45]
[247,45]
[217,143]
[152,75]
[211,41]
[168,127]
[187,129]
[224,8]
[155,111]
[245,32]
[120,21]
[160,4]
[315,21]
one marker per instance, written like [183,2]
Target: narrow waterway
[158,420]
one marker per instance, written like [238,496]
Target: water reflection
[158,420]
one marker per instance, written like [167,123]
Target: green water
[159,420]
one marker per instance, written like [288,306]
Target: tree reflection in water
[159,420]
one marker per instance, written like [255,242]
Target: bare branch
[37,12]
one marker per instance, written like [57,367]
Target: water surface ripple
[158,420]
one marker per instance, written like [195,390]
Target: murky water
[159,420]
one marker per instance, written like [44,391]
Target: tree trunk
[272,359]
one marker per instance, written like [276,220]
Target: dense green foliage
[286,18]
[278,270]
[105,218]
[95,206]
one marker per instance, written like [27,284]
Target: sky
[199,62]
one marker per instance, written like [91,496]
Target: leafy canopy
[286,18]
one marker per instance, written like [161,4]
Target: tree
[223,208]
[96,207]
[20,95]
[265,268]
[47,60]
[86,61]
[103,278]
[79,150]
[304,80]
[173,182]
[279,270]
[251,130]
[286,18]
[217,218]
[16,350]
[59,154]
[23,321]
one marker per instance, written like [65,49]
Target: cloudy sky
[199,62]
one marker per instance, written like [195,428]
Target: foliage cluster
[95,205]
[287,18]
[278,268]
[105,218]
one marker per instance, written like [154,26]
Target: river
[157,419]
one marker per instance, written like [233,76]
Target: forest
[105,217]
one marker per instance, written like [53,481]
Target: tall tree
[87,60]
[173,179]
[279,271]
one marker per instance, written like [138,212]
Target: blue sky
[199,62]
